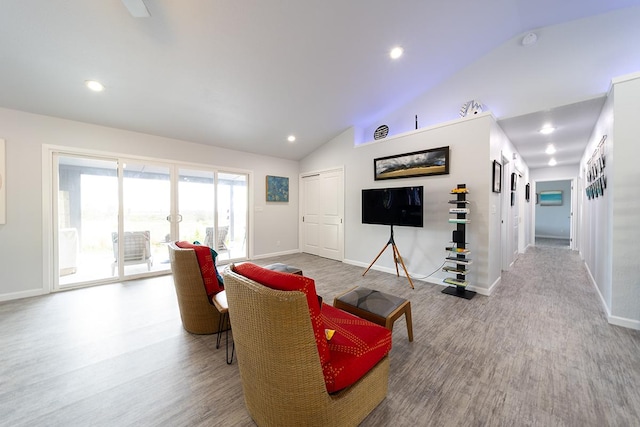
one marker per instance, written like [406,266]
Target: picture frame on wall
[514,181]
[527,192]
[497,177]
[434,161]
[551,198]
[277,188]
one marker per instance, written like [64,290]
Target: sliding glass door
[146,203]
[232,215]
[113,218]
[196,206]
[87,213]
[213,210]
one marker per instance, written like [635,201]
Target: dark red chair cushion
[356,346]
[207,267]
[292,282]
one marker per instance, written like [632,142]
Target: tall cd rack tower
[458,254]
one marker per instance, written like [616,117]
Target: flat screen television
[393,206]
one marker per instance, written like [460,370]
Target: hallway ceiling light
[396,52]
[552,162]
[94,85]
[550,149]
[547,129]
[291,138]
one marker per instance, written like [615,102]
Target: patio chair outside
[137,249]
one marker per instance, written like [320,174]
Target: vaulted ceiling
[246,74]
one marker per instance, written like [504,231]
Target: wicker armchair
[282,378]
[198,315]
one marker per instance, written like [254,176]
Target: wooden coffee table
[375,306]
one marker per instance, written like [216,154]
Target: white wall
[471,153]
[625,301]
[595,219]
[21,267]
[610,229]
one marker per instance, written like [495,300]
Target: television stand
[396,258]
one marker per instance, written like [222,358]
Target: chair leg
[224,319]
[221,322]
[233,348]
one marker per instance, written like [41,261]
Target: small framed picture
[497,177]
[527,192]
[277,188]
[514,181]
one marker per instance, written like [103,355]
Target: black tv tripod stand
[396,257]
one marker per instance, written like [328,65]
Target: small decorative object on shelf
[471,108]
[381,132]
[458,251]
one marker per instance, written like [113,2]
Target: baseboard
[624,322]
[274,254]
[494,285]
[551,237]
[613,320]
[22,294]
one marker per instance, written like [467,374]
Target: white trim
[625,78]
[22,294]
[624,322]
[275,254]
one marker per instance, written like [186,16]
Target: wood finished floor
[538,352]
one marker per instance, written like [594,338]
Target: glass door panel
[146,204]
[232,216]
[196,202]
[87,212]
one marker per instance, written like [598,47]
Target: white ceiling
[246,74]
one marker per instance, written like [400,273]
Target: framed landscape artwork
[419,163]
[550,198]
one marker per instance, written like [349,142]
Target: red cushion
[207,267]
[356,346]
[292,282]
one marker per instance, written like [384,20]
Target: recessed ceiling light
[396,52]
[94,85]
[291,138]
[547,129]
[552,162]
[550,149]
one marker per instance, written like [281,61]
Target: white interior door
[331,213]
[322,214]
[311,214]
